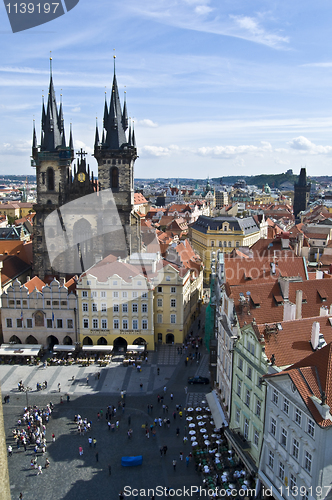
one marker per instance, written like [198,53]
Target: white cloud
[156,150]
[147,123]
[16,148]
[80,144]
[77,109]
[281,162]
[254,30]
[203,10]
[303,144]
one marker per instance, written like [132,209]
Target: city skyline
[220,89]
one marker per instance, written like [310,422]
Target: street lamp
[26,390]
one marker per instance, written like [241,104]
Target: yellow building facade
[210,234]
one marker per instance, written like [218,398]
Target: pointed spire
[133,140]
[129,133]
[71,142]
[43,112]
[60,116]
[115,133]
[103,137]
[63,142]
[52,132]
[34,137]
[96,135]
[124,114]
[105,112]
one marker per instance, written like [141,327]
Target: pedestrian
[121,497]
[97,456]
[53,438]
[172,397]
[174,464]
[174,415]
[10,451]
[94,442]
[109,470]
[80,450]
[181,456]
[101,413]
[158,371]
[59,387]
[39,470]
[187,461]
[98,416]
[68,398]
[61,400]
[21,496]
[165,449]
[109,425]
[177,431]
[90,441]
[87,380]
[47,463]
[141,386]
[186,390]
[165,389]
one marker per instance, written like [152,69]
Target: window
[63,302]
[49,323]
[135,308]
[139,283]
[144,324]
[159,302]
[295,449]
[281,471]
[95,323]
[88,282]
[85,323]
[70,323]
[237,244]
[9,323]
[104,307]
[286,406]
[116,308]
[19,323]
[125,308]
[29,323]
[25,302]
[55,303]
[173,302]
[311,428]
[298,416]
[237,417]
[168,278]
[246,428]
[256,438]
[292,485]
[94,306]
[271,459]
[135,295]
[283,437]
[50,179]
[115,283]
[307,461]
[225,243]
[48,302]
[144,295]
[115,324]
[103,295]
[104,324]
[84,294]
[273,426]
[115,295]
[59,323]
[251,347]
[249,372]
[124,324]
[85,307]
[247,398]
[114,177]
[173,318]
[212,243]
[258,408]
[240,365]
[18,303]
[275,397]
[239,388]
[173,289]
[229,243]
[160,289]
[144,308]
[135,324]
[94,294]
[124,295]
[159,318]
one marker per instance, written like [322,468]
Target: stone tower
[52,160]
[116,155]
[301,193]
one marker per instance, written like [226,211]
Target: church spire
[124,114]
[34,138]
[115,132]
[51,129]
[97,135]
[71,142]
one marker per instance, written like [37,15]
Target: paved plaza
[72,476]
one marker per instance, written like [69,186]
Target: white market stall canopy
[66,348]
[216,410]
[135,347]
[20,349]
[107,348]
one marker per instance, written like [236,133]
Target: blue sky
[215,87]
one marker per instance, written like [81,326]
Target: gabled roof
[139,199]
[35,282]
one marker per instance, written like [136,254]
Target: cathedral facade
[80,220]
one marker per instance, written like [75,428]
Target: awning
[20,349]
[136,348]
[97,348]
[216,410]
[246,459]
[66,348]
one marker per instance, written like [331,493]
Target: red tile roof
[35,282]
[139,199]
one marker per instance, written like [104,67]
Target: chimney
[299,295]
[284,287]
[28,279]
[315,335]
[319,274]
[289,311]
[323,311]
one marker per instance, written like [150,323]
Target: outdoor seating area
[220,466]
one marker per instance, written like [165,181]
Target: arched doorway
[87,341]
[14,340]
[102,341]
[67,340]
[51,341]
[139,341]
[170,338]
[120,344]
[31,340]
